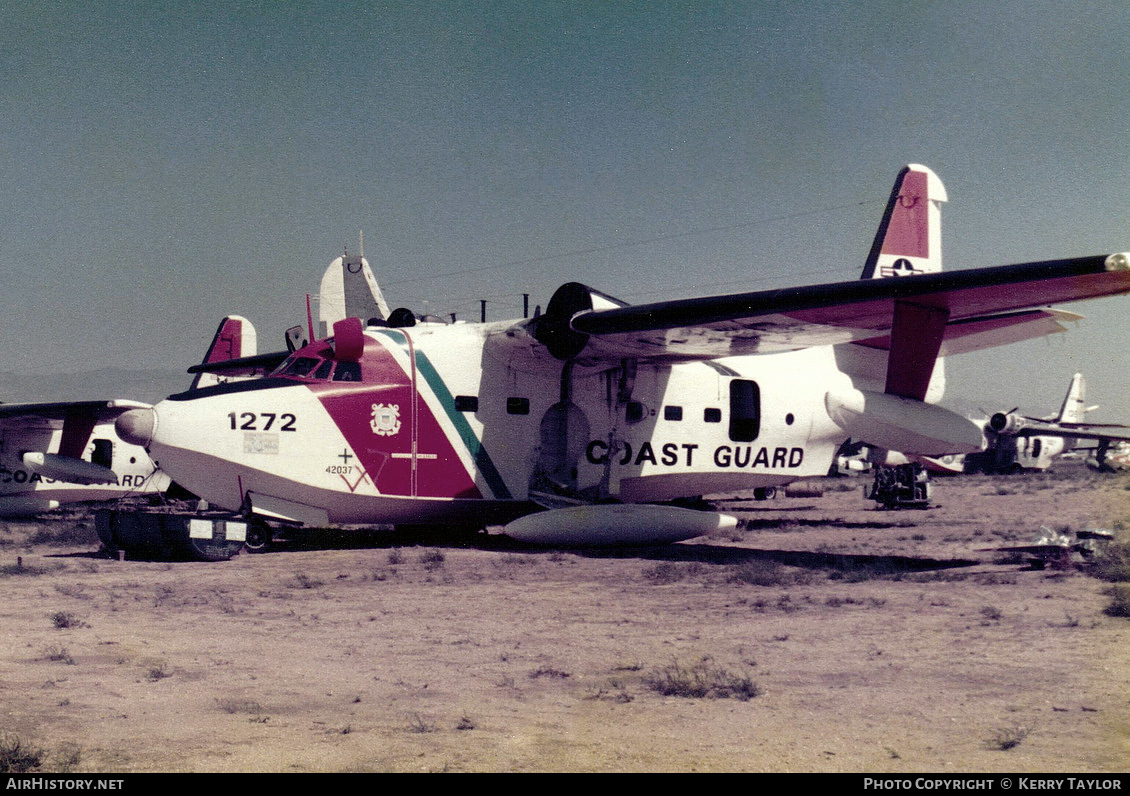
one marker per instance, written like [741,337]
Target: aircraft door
[745,410]
[564,434]
[103,453]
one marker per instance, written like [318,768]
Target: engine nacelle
[902,424]
[1006,423]
[553,328]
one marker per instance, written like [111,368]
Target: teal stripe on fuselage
[473,444]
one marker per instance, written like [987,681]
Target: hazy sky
[166,164]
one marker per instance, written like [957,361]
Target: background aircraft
[1015,442]
[66,452]
[594,406]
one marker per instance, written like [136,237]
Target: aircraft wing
[979,300]
[257,365]
[57,413]
[76,418]
[1099,433]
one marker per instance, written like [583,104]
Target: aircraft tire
[258,537]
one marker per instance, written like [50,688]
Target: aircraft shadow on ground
[720,555]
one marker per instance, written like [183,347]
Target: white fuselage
[443,425]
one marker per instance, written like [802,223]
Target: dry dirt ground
[836,637]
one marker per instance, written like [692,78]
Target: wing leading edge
[787,319]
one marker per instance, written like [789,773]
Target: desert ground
[824,635]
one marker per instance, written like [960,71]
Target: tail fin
[235,338]
[349,290]
[1074,403]
[909,240]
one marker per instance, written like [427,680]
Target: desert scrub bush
[548,671]
[509,566]
[58,655]
[417,723]
[432,559]
[231,705]
[20,568]
[18,758]
[157,671]
[990,613]
[768,573]
[64,535]
[702,680]
[1006,738]
[1119,602]
[669,572]
[67,758]
[304,581]
[65,619]
[1111,564]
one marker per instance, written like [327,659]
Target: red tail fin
[909,240]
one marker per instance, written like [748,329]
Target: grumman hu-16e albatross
[578,425]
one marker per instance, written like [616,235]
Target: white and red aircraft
[598,411]
[68,452]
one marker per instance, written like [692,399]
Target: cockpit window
[300,366]
[323,371]
[348,371]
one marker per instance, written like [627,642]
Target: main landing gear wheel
[258,537]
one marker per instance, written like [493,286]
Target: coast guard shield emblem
[385,420]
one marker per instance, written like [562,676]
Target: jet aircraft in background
[583,424]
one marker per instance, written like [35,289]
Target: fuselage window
[518,406]
[466,403]
[348,371]
[712,415]
[745,410]
[672,413]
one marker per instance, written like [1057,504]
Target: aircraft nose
[136,426]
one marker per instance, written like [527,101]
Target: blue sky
[166,164]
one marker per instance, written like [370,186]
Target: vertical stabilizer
[235,338]
[1074,403]
[909,240]
[349,290]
